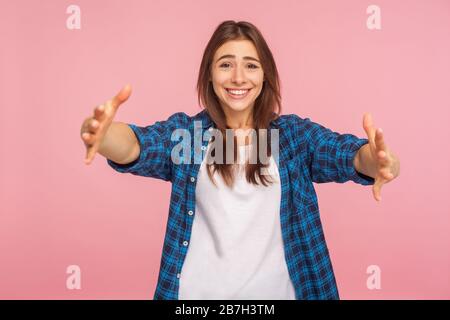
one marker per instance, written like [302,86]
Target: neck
[239,119]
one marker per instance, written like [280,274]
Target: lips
[238,96]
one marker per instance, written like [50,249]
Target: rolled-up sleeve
[154,158]
[331,154]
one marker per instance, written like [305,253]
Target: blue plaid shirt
[308,152]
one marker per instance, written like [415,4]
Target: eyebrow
[233,56]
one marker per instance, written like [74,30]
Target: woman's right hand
[94,128]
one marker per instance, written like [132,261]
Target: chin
[238,105]
[237,108]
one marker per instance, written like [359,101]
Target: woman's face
[236,66]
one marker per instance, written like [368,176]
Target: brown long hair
[266,108]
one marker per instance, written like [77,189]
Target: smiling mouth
[238,94]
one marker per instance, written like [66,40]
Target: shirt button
[185,243]
[190,212]
[178,275]
[203,148]
[192,179]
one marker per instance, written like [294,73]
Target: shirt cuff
[354,175]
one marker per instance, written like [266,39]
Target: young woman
[236,231]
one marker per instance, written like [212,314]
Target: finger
[90,154]
[383,158]
[386,174]
[369,128]
[99,112]
[376,190]
[93,126]
[122,96]
[379,140]
[88,138]
[84,126]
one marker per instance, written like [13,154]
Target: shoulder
[286,121]
[176,120]
[184,120]
[291,121]
[180,118]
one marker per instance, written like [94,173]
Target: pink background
[56,211]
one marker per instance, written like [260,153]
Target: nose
[238,75]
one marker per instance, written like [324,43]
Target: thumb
[368,126]
[122,96]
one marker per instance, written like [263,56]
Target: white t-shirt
[236,248]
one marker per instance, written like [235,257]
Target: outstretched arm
[375,159]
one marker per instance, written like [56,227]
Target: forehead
[239,48]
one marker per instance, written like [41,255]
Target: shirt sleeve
[331,155]
[154,158]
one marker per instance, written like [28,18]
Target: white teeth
[238,91]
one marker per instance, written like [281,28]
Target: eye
[253,66]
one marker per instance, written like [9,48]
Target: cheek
[258,83]
[217,83]
[256,79]
[220,77]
